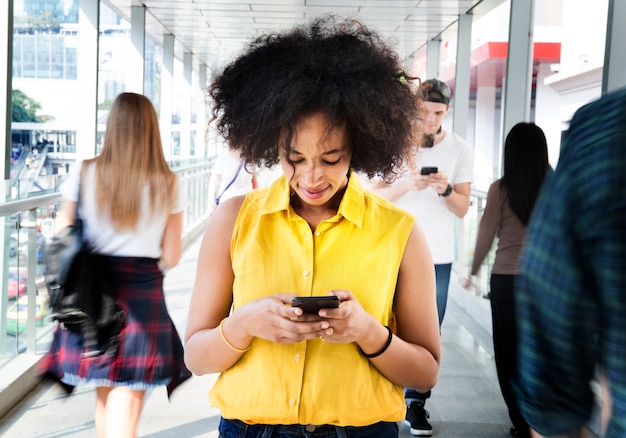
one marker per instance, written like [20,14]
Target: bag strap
[78,220]
[80,183]
[231,181]
[80,180]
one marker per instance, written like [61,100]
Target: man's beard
[428,140]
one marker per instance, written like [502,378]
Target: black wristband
[447,192]
[382,350]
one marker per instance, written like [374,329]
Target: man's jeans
[238,429]
[442,280]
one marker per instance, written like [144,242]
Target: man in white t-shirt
[435,191]
[229,178]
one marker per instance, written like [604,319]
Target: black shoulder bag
[77,286]
[62,259]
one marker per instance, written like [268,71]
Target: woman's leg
[505,344]
[102,393]
[117,412]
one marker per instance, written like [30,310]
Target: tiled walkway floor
[465,403]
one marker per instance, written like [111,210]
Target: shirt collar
[352,205]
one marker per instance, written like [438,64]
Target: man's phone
[314,304]
[429,170]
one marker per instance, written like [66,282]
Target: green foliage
[24,109]
[106,105]
[45,22]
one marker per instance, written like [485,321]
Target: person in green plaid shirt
[571,291]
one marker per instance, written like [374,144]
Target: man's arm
[458,201]
[552,384]
[391,192]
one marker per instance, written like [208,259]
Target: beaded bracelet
[382,350]
[231,346]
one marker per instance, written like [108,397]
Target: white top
[98,230]
[453,156]
[226,166]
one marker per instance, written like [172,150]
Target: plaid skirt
[149,351]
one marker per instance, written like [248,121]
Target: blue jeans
[238,429]
[442,281]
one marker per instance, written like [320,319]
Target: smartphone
[429,170]
[314,304]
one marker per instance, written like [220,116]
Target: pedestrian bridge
[465,403]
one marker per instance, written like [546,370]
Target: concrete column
[167,94]
[6,89]
[185,116]
[613,76]
[462,76]
[433,59]
[6,60]
[518,80]
[135,72]
[201,117]
[87,72]
[547,113]
[486,138]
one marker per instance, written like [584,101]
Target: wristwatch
[447,192]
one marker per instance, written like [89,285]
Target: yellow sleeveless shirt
[273,250]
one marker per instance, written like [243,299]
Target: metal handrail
[13,207]
[194,176]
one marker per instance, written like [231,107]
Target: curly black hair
[337,67]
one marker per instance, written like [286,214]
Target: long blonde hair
[131,159]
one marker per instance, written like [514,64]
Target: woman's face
[321,161]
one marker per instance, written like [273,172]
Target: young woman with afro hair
[325,101]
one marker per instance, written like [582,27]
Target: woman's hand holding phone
[316,303]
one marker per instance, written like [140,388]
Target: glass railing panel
[28,310]
[467,231]
[27,225]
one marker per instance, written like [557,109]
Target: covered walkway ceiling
[215,30]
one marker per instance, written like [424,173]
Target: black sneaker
[417,420]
